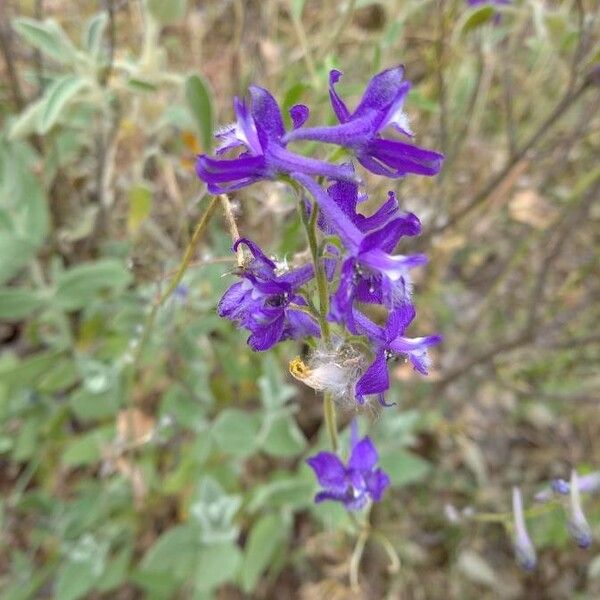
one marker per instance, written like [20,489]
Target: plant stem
[310,225]
[185,262]
[356,558]
[394,566]
[330,419]
[342,25]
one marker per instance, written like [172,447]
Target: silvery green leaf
[26,123]
[200,102]
[48,37]
[56,98]
[266,536]
[235,431]
[216,564]
[92,39]
[18,303]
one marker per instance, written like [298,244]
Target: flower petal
[330,471]
[266,336]
[399,319]
[339,107]
[381,92]
[257,253]
[299,114]
[376,379]
[266,113]
[300,325]
[387,237]
[377,483]
[232,301]
[403,158]
[380,217]
[364,456]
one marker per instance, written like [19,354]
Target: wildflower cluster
[562,494]
[354,264]
[566,494]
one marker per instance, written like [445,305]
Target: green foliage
[200,103]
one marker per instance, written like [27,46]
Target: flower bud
[524,550]
[578,526]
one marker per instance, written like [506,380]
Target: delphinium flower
[353,265]
[258,131]
[353,484]
[266,303]
[381,107]
[524,550]
[389,342]
[369,271]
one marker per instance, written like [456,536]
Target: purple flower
[524,550]
[258,131]
[263,302]
[345,194]
[589,483]
[370,273]
[380,107]
[354,484]
[389,342]
[577,524]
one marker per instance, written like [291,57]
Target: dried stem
[303,41]
[440,47]
[342,23]
[233,228]
[185,262]
[565,103]
[6,46]
[356,558]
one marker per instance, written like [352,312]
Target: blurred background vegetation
[174,468]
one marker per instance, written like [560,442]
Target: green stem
[394,566]
[533,512]
[185,262]
[310,225]
[356,558]
[330,420]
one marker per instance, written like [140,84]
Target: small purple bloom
[346,196]
[524,550]
[370,273]
[577,524]
[388,342]
[380,107]
[354,484]
[263,302]
[259,131]
[589,483]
